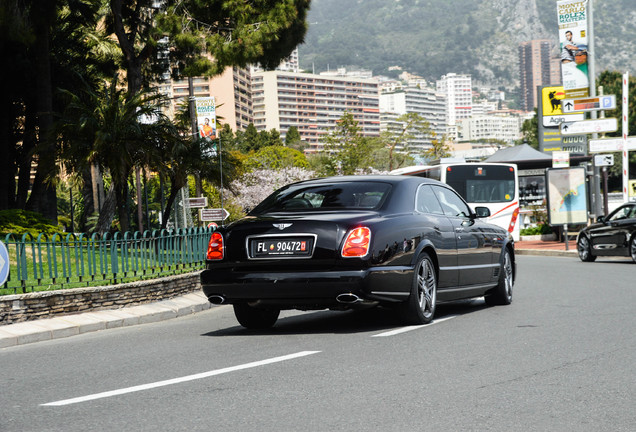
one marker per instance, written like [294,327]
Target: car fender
[508,243]
[425,246]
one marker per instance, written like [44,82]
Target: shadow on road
[338,322]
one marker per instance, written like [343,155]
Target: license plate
[281,247]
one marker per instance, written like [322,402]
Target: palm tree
[101,126]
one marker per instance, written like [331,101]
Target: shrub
[19,222]
[537,230]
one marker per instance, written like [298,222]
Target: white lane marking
[179,380]
[413,327]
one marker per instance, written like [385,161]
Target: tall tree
[345,149]
[203,37]
[411,126]
[102,127]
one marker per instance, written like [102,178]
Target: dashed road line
[179,380]
[413,327]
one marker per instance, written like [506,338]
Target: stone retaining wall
[47,304]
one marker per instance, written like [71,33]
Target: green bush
[537,230]
[19,222]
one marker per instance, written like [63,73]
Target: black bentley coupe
[614,235]
[358,241]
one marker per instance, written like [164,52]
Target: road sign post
[589,126]
[213,214]
[605,102]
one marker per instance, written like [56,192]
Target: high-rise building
[459,97]
[413,98]
[537,67]
[231,91]
[313,104]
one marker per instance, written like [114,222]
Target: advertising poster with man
[573,36]
[206,117]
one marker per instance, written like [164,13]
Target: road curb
[543,252]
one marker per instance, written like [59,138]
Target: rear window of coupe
[319,197]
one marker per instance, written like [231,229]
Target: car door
[441,233]
[474,251]
[612,238]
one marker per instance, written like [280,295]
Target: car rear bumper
[311,289]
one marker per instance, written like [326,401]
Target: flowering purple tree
[255,186]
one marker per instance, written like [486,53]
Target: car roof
[388,178]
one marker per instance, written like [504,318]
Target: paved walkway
[70,325]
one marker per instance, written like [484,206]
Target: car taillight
[215,247]
[357,243]
[513,220]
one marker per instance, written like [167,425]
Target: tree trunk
[43,195]
[174,190]
[8,150]
[107,212]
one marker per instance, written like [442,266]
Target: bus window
[482,184]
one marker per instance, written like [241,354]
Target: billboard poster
[573,37]
[550,118]
[567,195]
[206,117]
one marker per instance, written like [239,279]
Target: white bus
[492,185]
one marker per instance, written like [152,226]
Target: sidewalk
[70,325]
[546,248]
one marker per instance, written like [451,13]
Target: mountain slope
[435,37]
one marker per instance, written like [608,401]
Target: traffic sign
[611,145]
[606,102]
[604,160]
[198,202]
[555,121]
[4,263]
[589,126]
[213,214]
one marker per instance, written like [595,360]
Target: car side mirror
[600,219]
[482,212]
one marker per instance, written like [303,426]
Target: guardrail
[42,263]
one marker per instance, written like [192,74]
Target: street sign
[606,102]
[213,214]
[560,159]
[198,202]
[611,145]
[555,121]
[604,160]
[4,264]
[589,126]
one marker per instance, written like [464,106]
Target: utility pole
[591,72]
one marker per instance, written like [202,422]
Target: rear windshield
[334,196]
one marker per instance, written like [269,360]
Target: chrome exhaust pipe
[348,298]
[216,299]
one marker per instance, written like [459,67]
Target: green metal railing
[75,260]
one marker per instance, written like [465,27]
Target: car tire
[632,248]
[502,294]
[255,318]
[585,249]
[420,306]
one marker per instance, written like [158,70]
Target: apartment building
[231,91]
[502,127]
[313,104]
[413,98]
[459,97]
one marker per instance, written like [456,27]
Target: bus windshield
[482,183]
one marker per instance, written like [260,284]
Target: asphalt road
[562,357]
